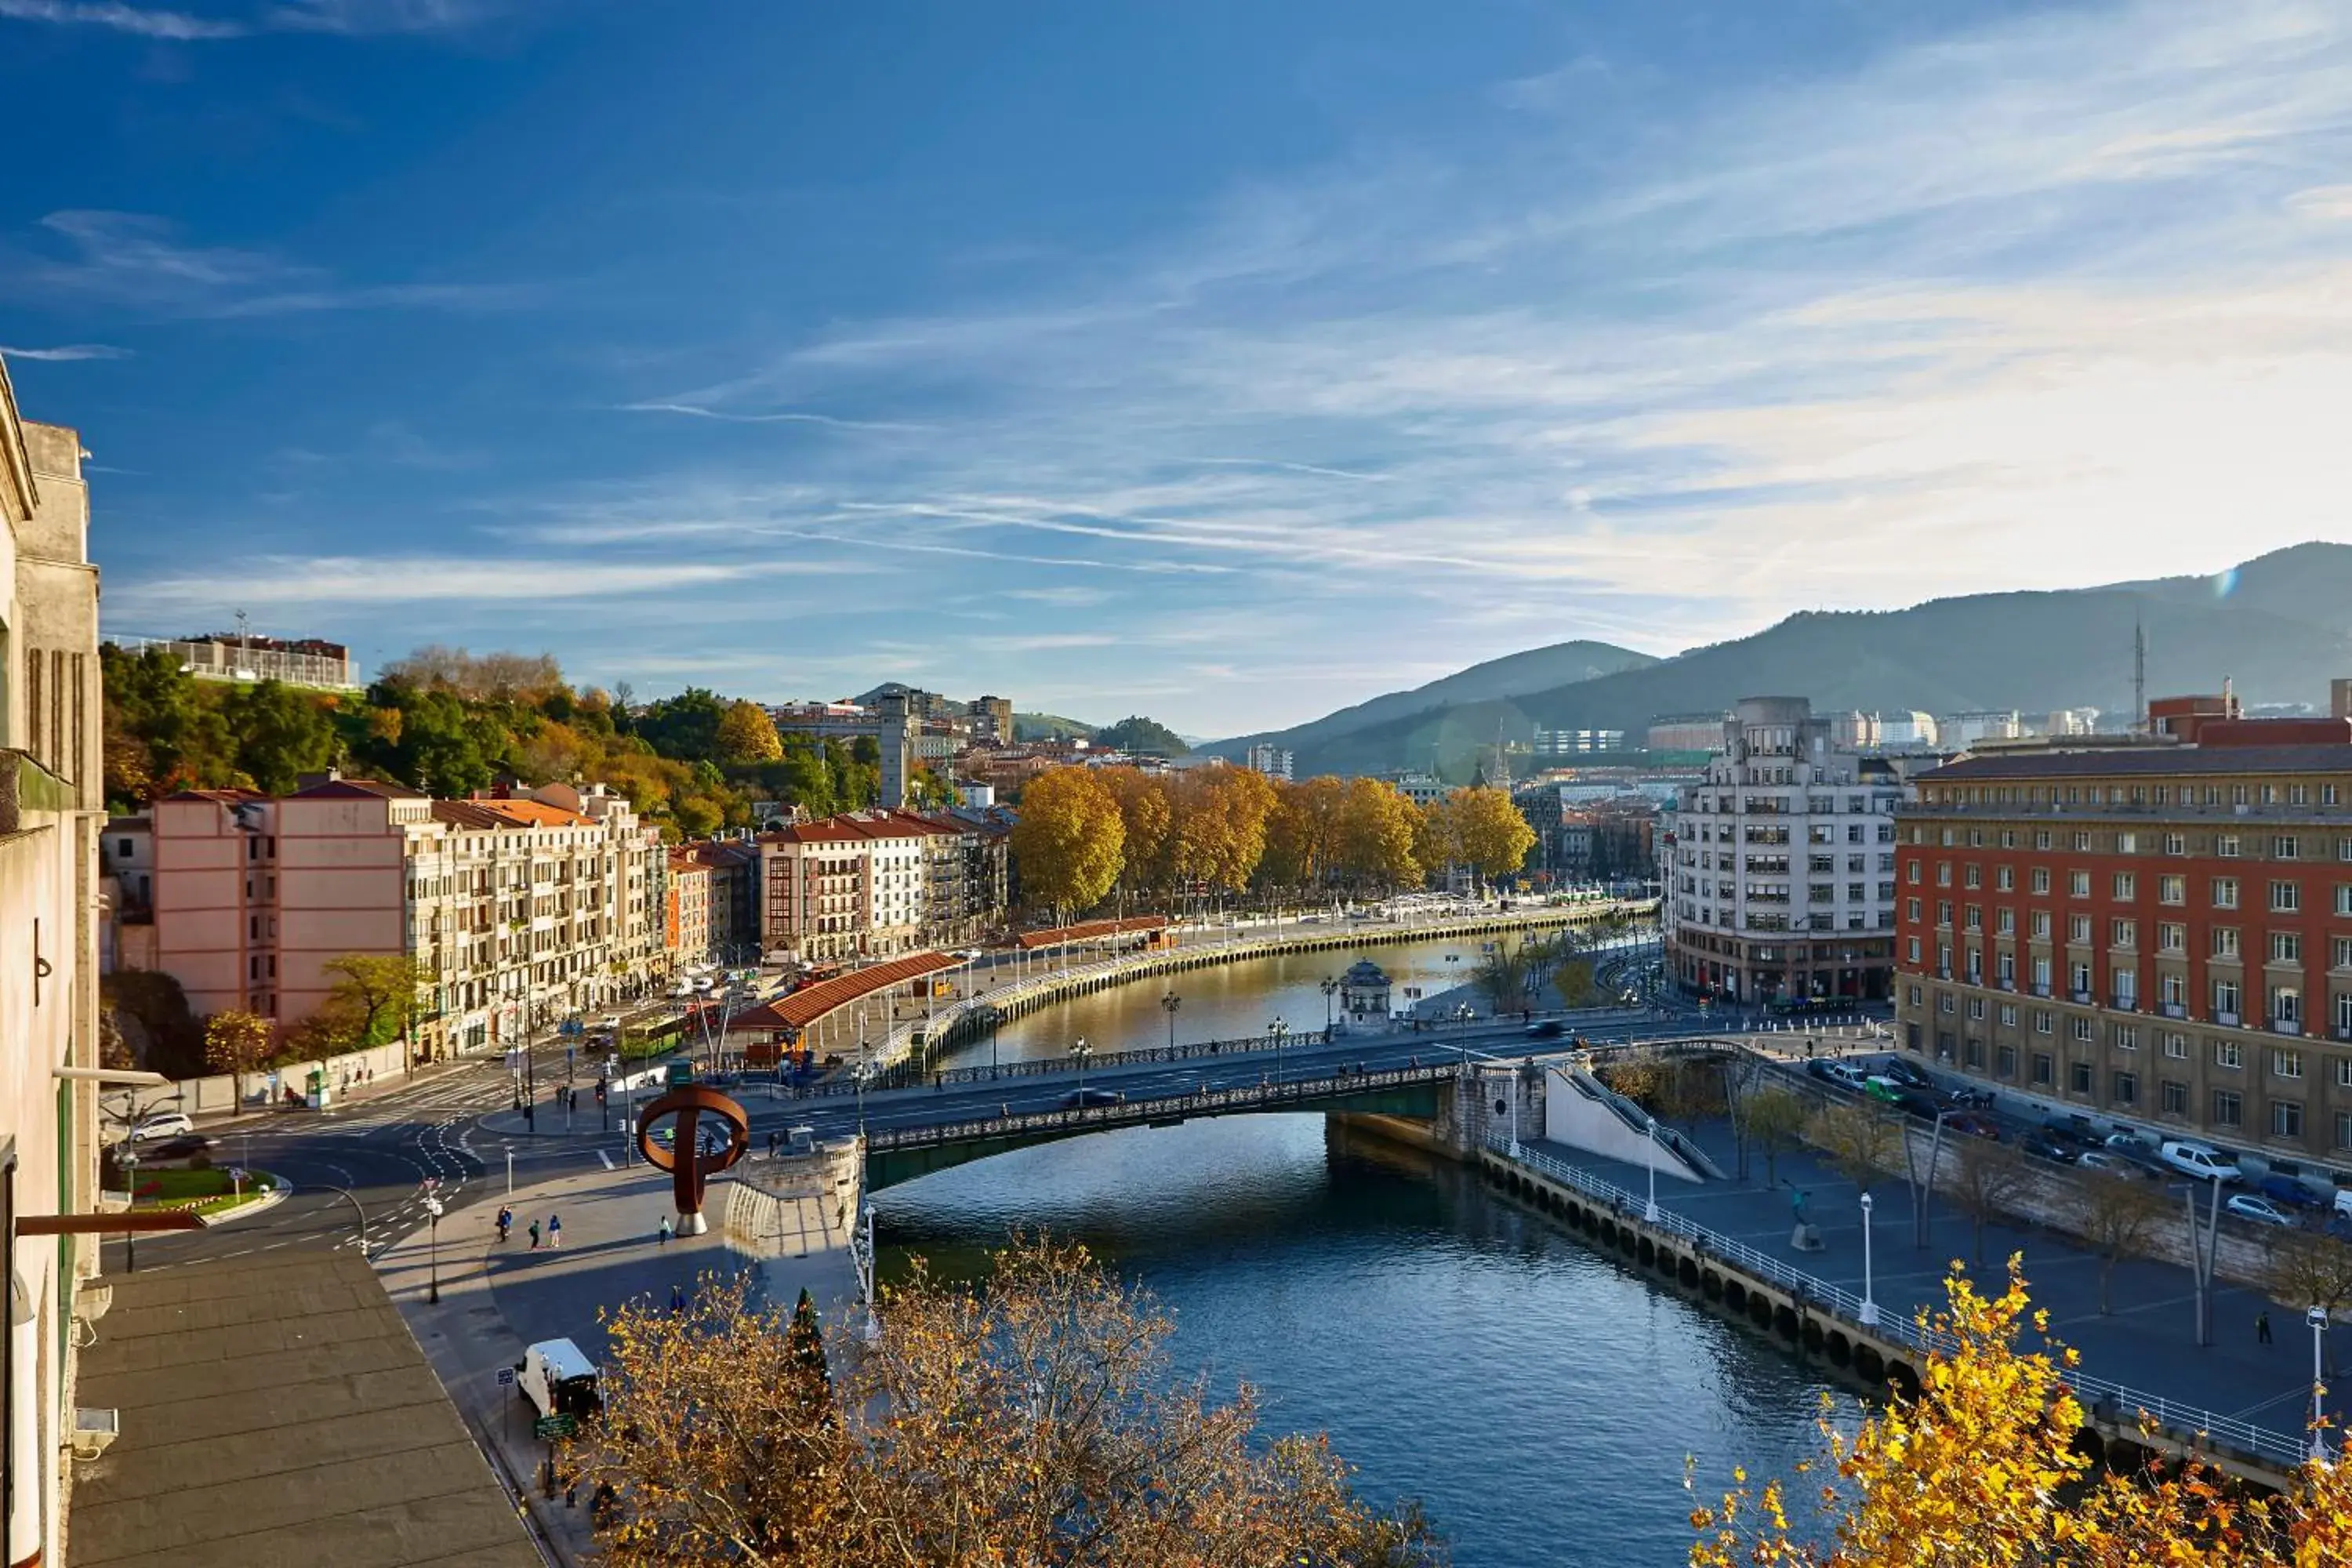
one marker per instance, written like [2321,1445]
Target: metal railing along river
[2285,1450]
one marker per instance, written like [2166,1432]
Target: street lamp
[1078,1052]
[1651,1214]
[1169,1002]
[2317,1318]
[1330,989]
[1277,1029]
[1869,1301]
[432,1227]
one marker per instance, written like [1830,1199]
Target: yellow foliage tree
[1219,826]
[236,1042]
[1485,832]
[1375,838]
[1143,813]
[1980,1471]
[746,735]
[1069,843]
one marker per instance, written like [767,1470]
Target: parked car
[2260,1209]
[1846,1075]
[2289,1192]
[1975,1126]
[163,1124]
[2042,1146]
[1903,1073]
[179,1149]
[1079,1099]
[1883,1089]
[2127,1141]
[2117,1163]
[1549,1030]
[1911,1102]
[2199,1159]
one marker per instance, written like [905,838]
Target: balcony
[2126,1001]
[2227,1020]
[2081,997]
[2286,1025]
[2172,1010]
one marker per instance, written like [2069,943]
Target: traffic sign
[506,1376]
[560,1425]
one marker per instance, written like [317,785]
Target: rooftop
[278,1413]
[2148,761]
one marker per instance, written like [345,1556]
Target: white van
[2200,1159]
[559,1380]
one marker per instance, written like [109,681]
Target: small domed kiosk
[1364,992]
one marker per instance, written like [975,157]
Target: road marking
[606,1158]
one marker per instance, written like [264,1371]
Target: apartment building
[1275,762]
[870,884]
[1781,866]
[51,803]
[687,911]
[733,865]
[522,910]
[2159,930]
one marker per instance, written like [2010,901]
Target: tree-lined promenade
[1085,833]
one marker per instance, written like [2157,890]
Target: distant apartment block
[232,656]
[1577,742]
[1781,864]
[1422,789]
[1907,729]
[1272,761]
[522,910]
[871,884]
[1959,732]
[992,720]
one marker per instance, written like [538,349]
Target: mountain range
[2279,626]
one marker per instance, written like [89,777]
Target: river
[1539,1398]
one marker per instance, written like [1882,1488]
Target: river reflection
[1539,1397]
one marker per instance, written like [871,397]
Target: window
[2343,895]
[2127,1036]
[2286,1119]
[2286,947]
[2083,1030]
[2078,1076]
[2041,1067]
[2081,841]
[2176,1046]
[2227,1108]
[2041,878]
[2176,843]
[2123,933]
[2175,1096]
[2005,1060]
[2078,884]
[2225,942]
[2225,1001]
[1913,870]
[1975,877]
[2041,925]
[2078,929]
[2343,1117]
[2004,879]
[2226,1054]
[2287,898]
[1943,911]
[2225,844]
[2225,892]
[2078,977]
[1911,910]
[1974,919]
[2125,1088]
[2128,843]
[2286,1064]
[2171,937]
[2041,1022]
[2172,890]
[2009,1016]
[2126,885]
[2042,838]
[1943,873]
[2286,1008]
[2285,846]
[1912,950]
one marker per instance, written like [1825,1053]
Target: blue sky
[1224,362]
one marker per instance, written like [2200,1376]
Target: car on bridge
[1549,1030]
[1081,1098]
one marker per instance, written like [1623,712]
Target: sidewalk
[497,1300]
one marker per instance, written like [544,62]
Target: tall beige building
[50,799]
[522,910]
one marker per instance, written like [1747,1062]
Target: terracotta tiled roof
[831,830]
[357,789]
[1091,930]
[535,813]
[805,1006]
[466,814]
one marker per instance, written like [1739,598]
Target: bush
[200,1160]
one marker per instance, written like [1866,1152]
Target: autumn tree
[1143,814]
[1502,977]
[1573,981]
[1857,1138]
[747,735]
[2119,1217]
[1775,1123]
[1069,842]
[2310,1268]
[1486,833]
[1035,1418]
[1373,848]
[1219,829]
[236,1042]
[1303,833]
[1981,1470]
[1989,1178]
[380,989]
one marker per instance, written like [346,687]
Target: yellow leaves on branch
[1030,1419]
[1981,1470]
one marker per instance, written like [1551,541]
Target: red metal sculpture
[689,1165]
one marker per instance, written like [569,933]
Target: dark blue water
[1538,1398]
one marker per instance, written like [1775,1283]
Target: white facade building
[1782,865]
[1272,761]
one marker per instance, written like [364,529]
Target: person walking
[664,1230]
[534,1235]
[2262,1327]
[506,1222]
[555,1230]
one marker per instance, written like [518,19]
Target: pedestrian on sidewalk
[2262,1327]
[773,1137]
[664,1230]
[534,1235]
[506,1222]
[555,1230]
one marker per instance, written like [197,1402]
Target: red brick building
[2158,933]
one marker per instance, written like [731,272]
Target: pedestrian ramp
[1582,1113]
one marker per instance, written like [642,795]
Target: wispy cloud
[779,416]
[353,18]
[66,353]
[330,580]
[137,262]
